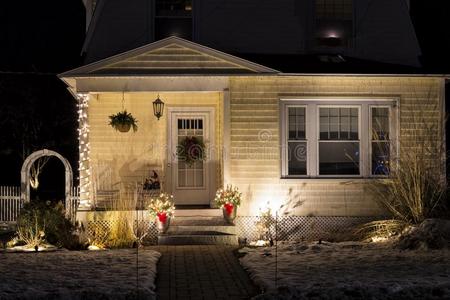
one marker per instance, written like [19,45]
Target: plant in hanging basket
[229,200]
[191,149]
[162,208]
[123,121]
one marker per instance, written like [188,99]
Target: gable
[173,56]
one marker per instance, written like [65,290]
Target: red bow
[162,217]
[229,208]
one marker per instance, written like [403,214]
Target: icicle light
[84,149]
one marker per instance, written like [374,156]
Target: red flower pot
[229,212]
[162,222]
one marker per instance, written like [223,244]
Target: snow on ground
[66,274]
[348,270]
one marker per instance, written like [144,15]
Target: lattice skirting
[252,228]
[143,229]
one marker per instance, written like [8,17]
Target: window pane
[344,132]
[297,123]
[339,158]
[380,158]
[339,124]
[380,123]
[334,123]
[297,158]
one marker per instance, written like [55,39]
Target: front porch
[119,164]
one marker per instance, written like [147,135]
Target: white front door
[190,181]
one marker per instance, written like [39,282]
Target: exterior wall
[255,165]
[129,157]
[259,26]
[288,27]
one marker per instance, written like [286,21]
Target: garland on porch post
[84,150]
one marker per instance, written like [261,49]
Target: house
[294,27]
[301,141]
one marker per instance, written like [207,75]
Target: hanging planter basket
[123,121]
[123,127]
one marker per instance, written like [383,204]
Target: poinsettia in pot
[228,199]
[123,121]
[162,208]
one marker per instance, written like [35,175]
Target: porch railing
[10,203]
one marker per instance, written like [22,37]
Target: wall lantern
[158,107]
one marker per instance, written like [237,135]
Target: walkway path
[201,272]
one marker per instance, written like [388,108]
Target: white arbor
[25,175]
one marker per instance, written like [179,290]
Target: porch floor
[201,272]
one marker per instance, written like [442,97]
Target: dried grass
[416,184]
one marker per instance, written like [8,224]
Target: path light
[158,107]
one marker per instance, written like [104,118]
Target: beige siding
[255,156]
[129,157]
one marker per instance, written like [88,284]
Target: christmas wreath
[191,149]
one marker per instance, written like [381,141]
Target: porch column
[226,153]
[84,150]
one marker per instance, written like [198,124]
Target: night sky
[40,39]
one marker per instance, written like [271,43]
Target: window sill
[356,179]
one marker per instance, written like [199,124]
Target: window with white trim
[296,140]
[380,144]
[337,138]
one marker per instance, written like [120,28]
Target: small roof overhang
[172,56]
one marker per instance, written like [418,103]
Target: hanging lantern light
[158,107]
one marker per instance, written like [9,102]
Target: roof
[170,56]
[328,64]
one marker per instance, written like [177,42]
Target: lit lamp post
[158,107]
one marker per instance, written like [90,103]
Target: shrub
[415,187]
[41,222]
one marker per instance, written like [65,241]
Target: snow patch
[430,234]
[108,274]
[348,270]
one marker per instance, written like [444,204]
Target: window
[323,138]
[173,17]
[296,143]
[339,141]
[334,9]
[334,23]
[380,145]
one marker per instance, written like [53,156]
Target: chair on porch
[105,191]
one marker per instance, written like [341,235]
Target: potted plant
[123,121]
[191,149]
[162,208]
[228,199]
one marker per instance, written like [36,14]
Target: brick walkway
[201,272]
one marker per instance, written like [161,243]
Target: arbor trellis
[25,176]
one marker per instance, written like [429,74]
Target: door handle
[169,165]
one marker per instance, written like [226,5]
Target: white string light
[84,149]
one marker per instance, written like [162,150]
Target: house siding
[255,165]
[128,158]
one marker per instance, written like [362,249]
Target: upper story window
[173,18]
[333,23]
[323,138]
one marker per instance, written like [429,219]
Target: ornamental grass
[415,188]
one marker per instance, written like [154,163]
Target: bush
[415,189]
[41,222]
